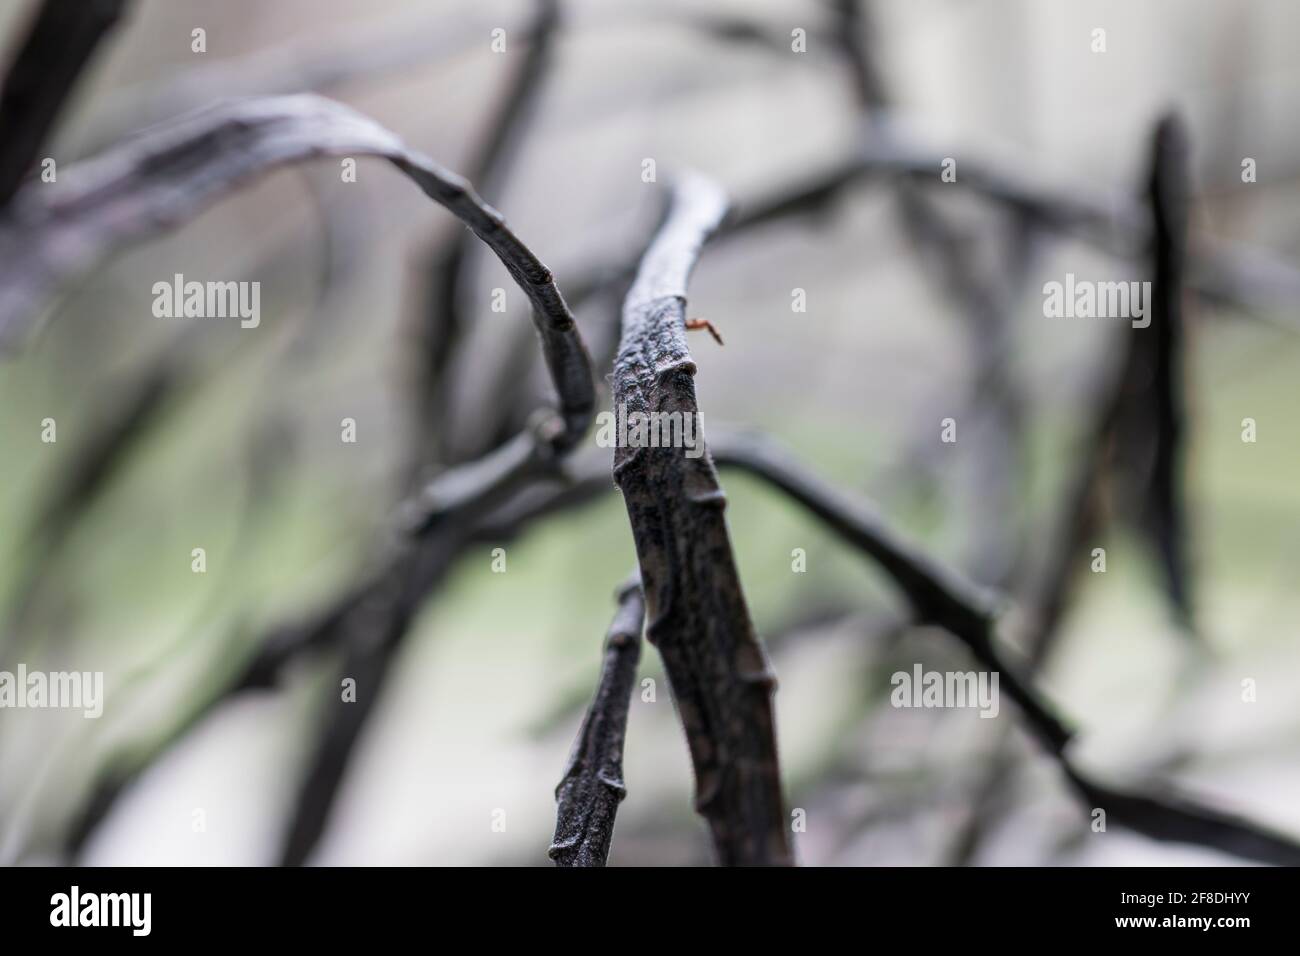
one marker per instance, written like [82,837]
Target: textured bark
[592,787]
[697,616]
[168,175]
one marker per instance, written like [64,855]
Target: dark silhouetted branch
[939,596]
[1165,512]
[697,616]
[444,320]
[364,606]
[985,299]
[168,175]
[371,627]
[53,55]
[592,787]
[1173,817]
[1138,407]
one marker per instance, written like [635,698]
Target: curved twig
[167,175]
[442,325]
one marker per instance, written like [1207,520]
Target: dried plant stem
[697,615]
[592,787]
[53,55]
[939,596]
[169,174]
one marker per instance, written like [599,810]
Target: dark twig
[55,52]
[444,320]
[697,616]
[985,301]
[328,630]
[168,175]
[1165,509]
[939,596]
[592,787]
[371,628]
[1150,363]
[1140,406]
[1173,817]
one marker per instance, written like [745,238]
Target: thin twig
[938,595]
[588,795]
[985,301]
[55,52]
[1165,510]
[444,319]
[941,597]
[1222,272]
[168,175]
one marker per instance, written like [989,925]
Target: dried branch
[444,319]
[1222,273]
[166,176]
[357,613]
[941,597]
[1139,403]
[938,596]
[1173,817]
[371,627]
[1165,509]
[984,298]
[592,787]
[490,501]
[55,52]
[479,501]
[697,614]
[1123,398]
